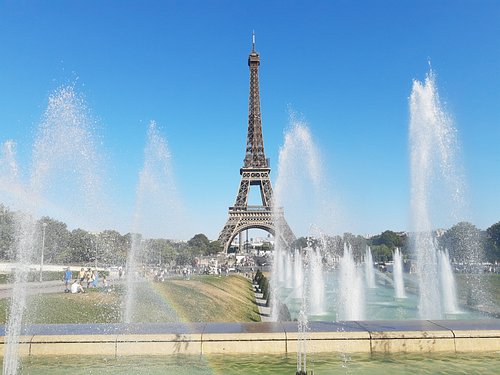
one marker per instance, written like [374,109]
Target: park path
[36,287]
[44,287]
[264,311]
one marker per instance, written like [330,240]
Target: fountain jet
[434,176]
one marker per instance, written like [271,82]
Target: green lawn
[200,299]
[488,292]
[212,299]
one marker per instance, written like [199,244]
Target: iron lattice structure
[255,172]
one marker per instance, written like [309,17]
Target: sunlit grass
[200,299]
[212,299]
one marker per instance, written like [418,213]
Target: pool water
[380,303]
[449,363]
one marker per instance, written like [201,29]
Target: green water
[451,363]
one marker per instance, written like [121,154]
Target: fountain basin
[410,336]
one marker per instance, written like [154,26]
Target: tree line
[63,246]
[109,247]
[463,241]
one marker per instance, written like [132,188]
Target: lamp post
[44,225]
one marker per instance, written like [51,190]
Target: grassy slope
[490,289]
[201,299]
[212,299]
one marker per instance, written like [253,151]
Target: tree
[6,232]
[82,246]
[358,245]
[390,239]
[214,247]
[464,242]
[57,237]
[199,243]
[493,242]
[381,253]
[299,243]
[112,247]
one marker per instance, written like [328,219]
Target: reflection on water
[333,363]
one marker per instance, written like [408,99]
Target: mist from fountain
[157,203]
[316,283]
[397,274]
[351,298]
[303,317]
[298,272]
[288,262]
[369,271]
[9,171]
[63,175]
[434,176]
[447,282]
[299,175]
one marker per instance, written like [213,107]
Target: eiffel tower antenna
[255,172]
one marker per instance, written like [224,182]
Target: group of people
[84,276]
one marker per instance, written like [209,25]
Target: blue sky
[345,66]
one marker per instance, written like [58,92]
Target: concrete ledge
[72,345]
[24,345]
[416,336]
[163,344]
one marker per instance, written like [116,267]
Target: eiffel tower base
[241,219]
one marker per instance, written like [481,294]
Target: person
[120,272]
[68,275]
[81,275]
[76,287]
[95,279]
[88,277]
[105,285]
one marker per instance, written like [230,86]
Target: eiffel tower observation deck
[255,172]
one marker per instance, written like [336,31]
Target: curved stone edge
[416,336]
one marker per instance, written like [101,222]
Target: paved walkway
[264,311]
[45,287]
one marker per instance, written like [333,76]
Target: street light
[43,248]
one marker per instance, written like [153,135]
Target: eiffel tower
[255,171]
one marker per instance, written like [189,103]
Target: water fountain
[369,271]
[64,146]
[303,324]
[351,299]
[298,272]
[434,173]
[299,153]
[157,202]
[316,282]
[435,176]
[397,274]
[447,282]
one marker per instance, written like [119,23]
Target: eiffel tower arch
[255,172]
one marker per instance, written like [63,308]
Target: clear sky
[345,66]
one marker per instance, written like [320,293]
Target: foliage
[384,244]
[390,239]
[358,245]
[464,242]
[6,232]
[493,242]
[109,247]
[264,286]
[381,253]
